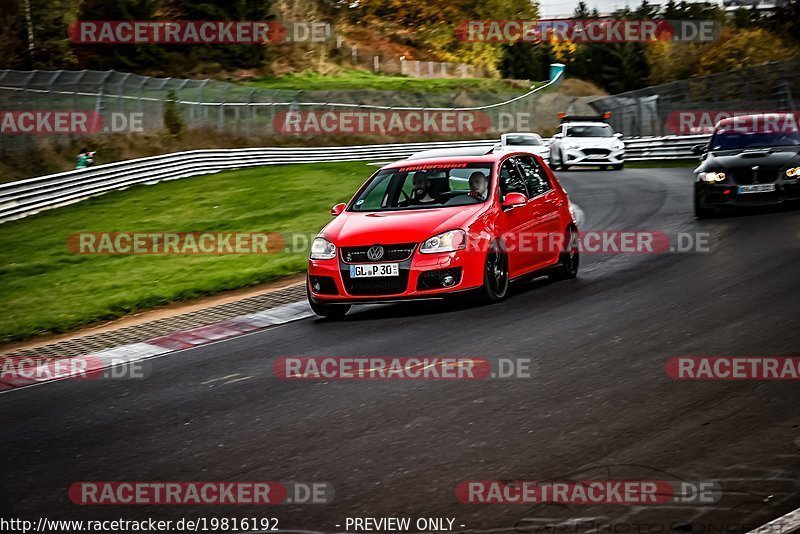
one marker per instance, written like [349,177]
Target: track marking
[227,377]
[237,380]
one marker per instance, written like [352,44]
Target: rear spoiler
[588,118]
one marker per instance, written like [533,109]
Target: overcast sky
[555,8]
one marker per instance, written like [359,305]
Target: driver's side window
[510,179]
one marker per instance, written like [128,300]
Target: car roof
[733,120]
[453,152]
[585,123]
[522,133]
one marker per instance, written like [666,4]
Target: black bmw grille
[762,175]
[390,253]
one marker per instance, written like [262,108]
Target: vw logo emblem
[375,253]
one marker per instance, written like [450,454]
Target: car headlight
[572,146]
[794,172]
[446,242]
[322,249]
[618,145]
[712,176]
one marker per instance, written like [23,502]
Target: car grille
[747,176]
[382,285]
[596,151]
[390,253]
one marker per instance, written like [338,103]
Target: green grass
[48,289]
[354,79]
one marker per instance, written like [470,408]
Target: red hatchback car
[431,228]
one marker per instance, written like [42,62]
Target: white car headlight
[712,177]
[446,242]
[322,249]
[572,146]
[619,145]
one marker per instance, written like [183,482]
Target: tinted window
[510,179]
[534,175]
[522,140]
[590,131]
[732,139]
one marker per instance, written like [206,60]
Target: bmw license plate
[758,188]
[375,269]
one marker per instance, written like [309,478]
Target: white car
[523,142]
[586,141]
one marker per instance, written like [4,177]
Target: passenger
[478,185]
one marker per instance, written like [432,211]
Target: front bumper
[727,194]
[594,157]
[421,277]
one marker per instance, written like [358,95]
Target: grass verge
[48,289]
[358,80]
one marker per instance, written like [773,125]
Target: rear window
[522,140]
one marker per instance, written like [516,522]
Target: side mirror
[558,136]
[618,135]
[513,199]
[698,149]
[338,209]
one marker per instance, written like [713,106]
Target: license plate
[375,269]
[758,188]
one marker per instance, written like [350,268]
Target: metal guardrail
[27,197]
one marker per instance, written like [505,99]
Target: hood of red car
[353,228]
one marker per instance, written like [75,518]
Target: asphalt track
[600,406]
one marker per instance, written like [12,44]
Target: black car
[747,164]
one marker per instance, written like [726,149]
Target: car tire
[568,261]
[618,167]
[701,211]
[495,274]
[334,312]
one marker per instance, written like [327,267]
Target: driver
[421,193]
[478,185]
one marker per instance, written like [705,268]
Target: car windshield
[522,140]
[739,139]
[425,186]
[590,131]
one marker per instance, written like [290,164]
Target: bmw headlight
[446,242]
[322,249]
[794,172]
[712,177]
